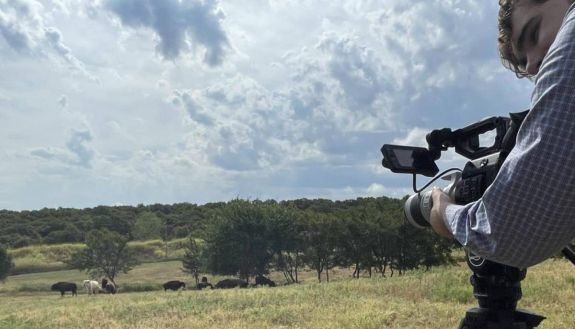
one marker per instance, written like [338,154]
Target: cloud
[21,23]
[195,111]
[78,150]
[55,40]
[24,28]
[415,137]
[63,101]
[78,145]
[177,23]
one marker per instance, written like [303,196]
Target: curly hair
[504,41]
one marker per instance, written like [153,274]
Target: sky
[126,102]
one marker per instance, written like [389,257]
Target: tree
[106,253]
[236,240]
[192,262]
[5,263]
[148,226]
[319,237]
[285,238]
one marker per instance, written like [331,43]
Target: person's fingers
[440,201]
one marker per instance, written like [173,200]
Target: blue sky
[121,102]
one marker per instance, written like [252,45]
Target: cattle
[110,288]
[62,287]
[263,281]
[231,283]
[174,285]
[91,286]
[203,285]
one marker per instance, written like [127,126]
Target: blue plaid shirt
[528,213]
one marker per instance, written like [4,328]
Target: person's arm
[528,212]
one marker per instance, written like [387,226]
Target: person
[528,213]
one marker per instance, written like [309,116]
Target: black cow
[263,281]
[62,287]
[174,285]
[231,283]
[103,285]
[111,288]
[203,285]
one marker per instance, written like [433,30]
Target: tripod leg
[475,318]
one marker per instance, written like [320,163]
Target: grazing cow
[110,288]
[62,287]
[91,286]
[174,285]
[262,280]
[204,284]
[231,283]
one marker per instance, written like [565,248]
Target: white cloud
[78,151]
[415,137]
[21,24]
[63,101]
[179,25]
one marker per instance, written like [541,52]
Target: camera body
[465,185]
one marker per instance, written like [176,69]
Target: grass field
[434,299]
[47,258]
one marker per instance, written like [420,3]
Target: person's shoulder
[570,14]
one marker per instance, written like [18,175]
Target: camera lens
[414,208]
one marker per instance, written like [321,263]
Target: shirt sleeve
[528,213]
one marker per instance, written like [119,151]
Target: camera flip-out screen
[408,159]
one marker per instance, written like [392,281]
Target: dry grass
[435,299]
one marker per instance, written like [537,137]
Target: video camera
[467,185]
[496,287]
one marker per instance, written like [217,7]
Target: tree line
[250,238]
[243,238]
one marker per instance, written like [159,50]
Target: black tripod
[497,288]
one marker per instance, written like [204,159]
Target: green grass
[48,258]
[430,300]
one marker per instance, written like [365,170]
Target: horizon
[195,204]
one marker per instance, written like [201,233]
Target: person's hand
[440,201]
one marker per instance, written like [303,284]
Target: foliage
[148,226]
[106,253]
[5,263]
[236,242]
[192,262]
[247,238]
